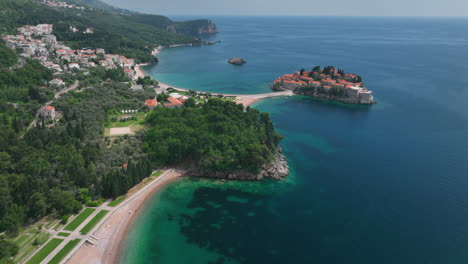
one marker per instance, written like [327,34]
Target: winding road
[56,96]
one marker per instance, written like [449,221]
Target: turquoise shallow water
[380,184]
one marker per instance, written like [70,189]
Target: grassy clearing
[138,118]
[21,239]
[45,251]
[63,234]
[42,238]
[79,219]
[117,201]
[148,180]
[64,251]
[50,223]
[157,174]
[57,226]
[90,225]
[25,252]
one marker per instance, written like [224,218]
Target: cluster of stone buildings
[37,42]
[354,90]
[62,5]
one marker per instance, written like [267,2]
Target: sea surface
[381,184]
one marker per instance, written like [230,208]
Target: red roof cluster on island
[318,77]
[329,82]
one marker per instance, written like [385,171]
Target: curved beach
[244,99]
[111,232]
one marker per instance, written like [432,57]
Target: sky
[298,7]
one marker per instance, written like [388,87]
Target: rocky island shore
[327,83]
[277,169]
[237,61]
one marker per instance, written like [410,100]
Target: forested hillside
[55,170]
[8,56]
[116,33]
[217,136]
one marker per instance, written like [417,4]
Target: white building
[56,82]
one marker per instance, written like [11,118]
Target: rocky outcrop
[237,61]
[171,28]
[209,28]
[193,27]
[277,169]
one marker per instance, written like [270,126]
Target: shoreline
[113,230]
[244,99]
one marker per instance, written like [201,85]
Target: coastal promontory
[218,139]
[329,83]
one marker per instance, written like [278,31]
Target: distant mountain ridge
[119,31]
[193,27]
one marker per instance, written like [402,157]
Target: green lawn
[157,174]
[79,219]
[63,234]
[64,251]
[25,252]
[56,227]
[45,251]
[21,239]
[42,238]
[117,201]
[140,119]
[50,223]
[90,225]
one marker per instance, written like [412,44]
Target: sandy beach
[112,231]
[245,100]
[138,71]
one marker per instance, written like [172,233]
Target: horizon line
[317,15]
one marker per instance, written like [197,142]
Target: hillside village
[327,83]
[38,43]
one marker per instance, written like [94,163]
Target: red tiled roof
[151,102]
[51,108]
[173,101]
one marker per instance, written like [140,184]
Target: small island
[237,61]
[329,83]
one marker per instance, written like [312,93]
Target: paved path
[99,239]
[107,235]
[56,96]
[238,96]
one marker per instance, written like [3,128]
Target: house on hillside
[56,82]
[151,103]
[48,112]
[173,103]
[129,73]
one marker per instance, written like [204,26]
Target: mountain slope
[132,35]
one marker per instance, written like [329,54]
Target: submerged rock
[237,61]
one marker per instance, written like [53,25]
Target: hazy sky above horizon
[298,7]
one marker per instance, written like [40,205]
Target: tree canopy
[216,136]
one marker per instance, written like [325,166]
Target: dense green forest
[216,136]
[51,170]
[8,56]
[131,35]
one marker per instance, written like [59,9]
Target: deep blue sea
[381,184]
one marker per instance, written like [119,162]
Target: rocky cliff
[195,27]
[277,169]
